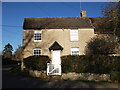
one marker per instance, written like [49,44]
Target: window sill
[75,41]
[37,40]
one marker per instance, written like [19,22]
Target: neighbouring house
[56,36]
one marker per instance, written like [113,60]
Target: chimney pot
[83,13]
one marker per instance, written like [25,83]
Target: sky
[13,14]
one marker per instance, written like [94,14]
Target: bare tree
[18,53]
[112,12]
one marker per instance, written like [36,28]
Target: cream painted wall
[62,36]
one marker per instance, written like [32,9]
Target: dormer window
[37,36]
[74,35]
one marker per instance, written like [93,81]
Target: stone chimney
[83,13]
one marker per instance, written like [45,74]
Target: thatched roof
[57,23]
[101,25]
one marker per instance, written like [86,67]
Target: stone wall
[71,76]
[42,74]
[85,76]
[36,73]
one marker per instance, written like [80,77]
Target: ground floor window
[74,51]
[37,52]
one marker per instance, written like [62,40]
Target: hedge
[8,61]
[36,62]
[90,64]
[114,76]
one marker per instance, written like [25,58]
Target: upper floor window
[37,51]
[74,35]
[37,35]
[74,51]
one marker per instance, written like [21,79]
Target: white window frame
[37,53]
[37,32]
[74,35]
[73,50]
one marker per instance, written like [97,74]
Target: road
[12,80]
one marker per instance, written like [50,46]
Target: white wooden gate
[53,69]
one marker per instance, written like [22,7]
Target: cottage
[56,36]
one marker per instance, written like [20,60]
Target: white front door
[56,57]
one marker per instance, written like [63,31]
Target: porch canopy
[55,46]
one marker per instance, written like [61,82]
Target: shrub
[115,76]
[36,62]
[116,64]
[90,64]
[8,61]
[102,44]
[16,69]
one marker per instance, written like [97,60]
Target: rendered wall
[62,36]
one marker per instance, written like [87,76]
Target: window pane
[37,51]
[74,35]
[74,51]
[37,35]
